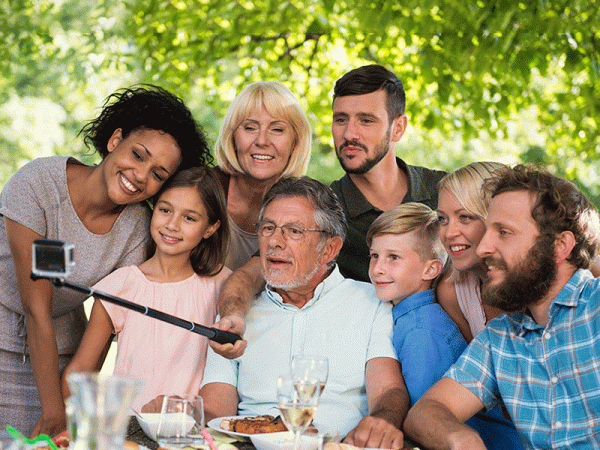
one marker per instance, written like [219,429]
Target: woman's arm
[92,349]
[36,298]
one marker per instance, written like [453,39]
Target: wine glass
[297,403]
[310,368]
[181,421]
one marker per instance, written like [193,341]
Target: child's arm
[92,349]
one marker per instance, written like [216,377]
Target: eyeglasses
[289,231]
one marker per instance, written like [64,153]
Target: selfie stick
[219,336]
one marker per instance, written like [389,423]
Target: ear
[563,246]
[211,229]
[398,127]
[332,247]
[114,140]
[432,269]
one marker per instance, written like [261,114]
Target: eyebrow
[360,115]
[186,211]
[276,121]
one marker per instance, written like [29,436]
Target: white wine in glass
[297,410]
[307,369]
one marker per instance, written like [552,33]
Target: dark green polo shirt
[353,259]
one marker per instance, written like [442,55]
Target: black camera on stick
[53,260]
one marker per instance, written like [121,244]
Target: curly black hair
[149,107]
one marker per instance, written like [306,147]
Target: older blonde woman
[264,136]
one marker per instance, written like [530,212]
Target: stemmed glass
[309,368]
[297,402]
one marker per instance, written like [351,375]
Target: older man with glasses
[309,307]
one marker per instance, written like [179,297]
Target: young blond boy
[406,258]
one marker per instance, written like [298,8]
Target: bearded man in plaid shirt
[543,360]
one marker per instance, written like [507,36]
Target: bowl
[283,440]
[149,422]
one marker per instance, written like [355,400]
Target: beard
[271,276]
[380,151]
[526,283]
[290,284]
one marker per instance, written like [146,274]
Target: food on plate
[130,445]
[254,425]
[339,446]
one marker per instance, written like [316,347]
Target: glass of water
[181,421]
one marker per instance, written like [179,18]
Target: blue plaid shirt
[548,377]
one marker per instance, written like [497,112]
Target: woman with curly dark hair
[144,135]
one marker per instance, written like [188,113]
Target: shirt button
[558,425]
[547,335]
[554,381]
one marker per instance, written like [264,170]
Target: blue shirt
[344,321]
[426,340]
[548,377]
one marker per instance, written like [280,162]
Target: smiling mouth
[169,239]
[459,248]
[128,185]
[262,157]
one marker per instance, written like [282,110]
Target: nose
[277,239]
[173,222]
[485,247]
[141,172]
[376,266]
[262,137]
[451,230]
[351,131]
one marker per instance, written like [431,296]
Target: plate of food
[246,426]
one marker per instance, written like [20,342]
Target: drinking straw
[209,440]
[17,436]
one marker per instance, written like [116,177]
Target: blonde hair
[279,102]
[466,184]
[410,217]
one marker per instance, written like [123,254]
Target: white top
[37,197]
[468,294]
[344,322]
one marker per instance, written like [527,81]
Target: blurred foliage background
[502,80]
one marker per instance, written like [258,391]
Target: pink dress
[169,359]
[468,294]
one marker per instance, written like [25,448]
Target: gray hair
[329,215]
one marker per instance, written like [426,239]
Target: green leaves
[474,70]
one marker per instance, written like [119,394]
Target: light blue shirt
[344,321]
[548,377]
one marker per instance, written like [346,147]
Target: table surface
[137,435]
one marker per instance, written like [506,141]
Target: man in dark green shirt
[368,120]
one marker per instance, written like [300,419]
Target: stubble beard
[381,150]
[528,282]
